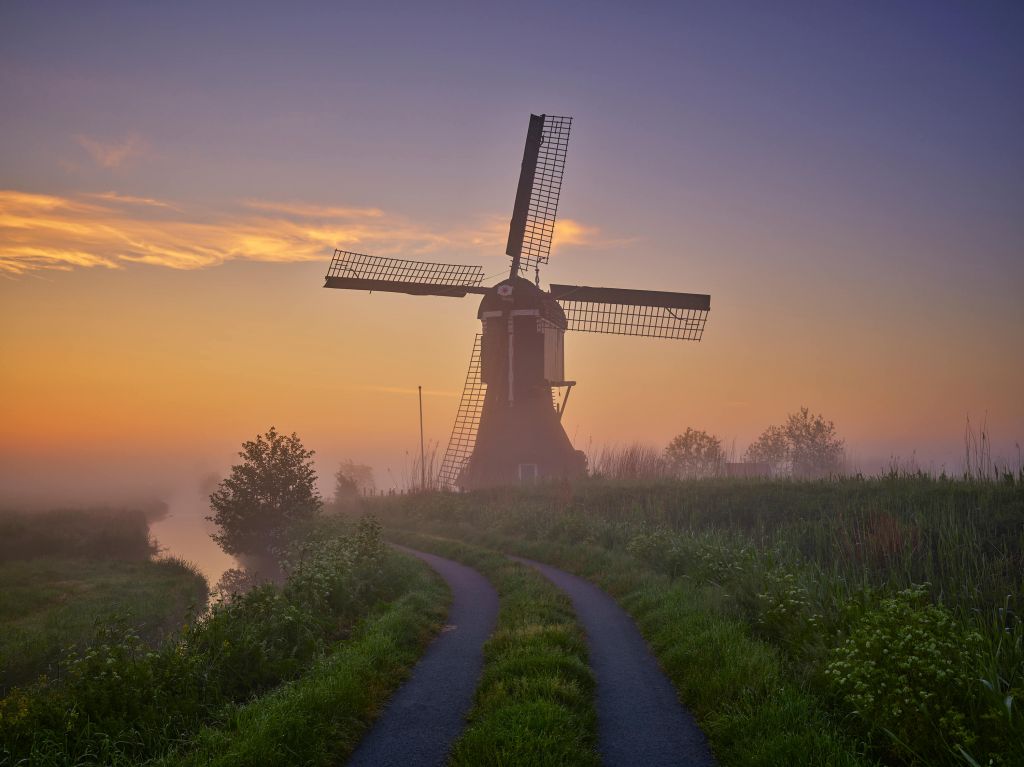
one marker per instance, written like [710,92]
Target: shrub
[908,670]
[787,612]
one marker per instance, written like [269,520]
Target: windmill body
[520,436]
[508,428]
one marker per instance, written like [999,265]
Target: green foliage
[49,604]
[248,645]
[910,669]
[317,719]
[785,611]
[265,496]
[734,684]
[119,702]
[797,567]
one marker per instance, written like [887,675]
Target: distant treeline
[92,533]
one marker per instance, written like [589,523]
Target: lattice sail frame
[634,320]
[361,266]
[547,186]
[467,421]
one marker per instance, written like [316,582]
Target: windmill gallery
[508,427]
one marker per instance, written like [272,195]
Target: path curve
[428,712]
[640,719]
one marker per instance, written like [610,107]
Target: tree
[265,496]
[806,445]
[771,448]
[815,450]
[695,453]
[351,481]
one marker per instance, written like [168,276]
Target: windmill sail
[651,313]
[540,183]
[357,271]
[467,420]
[504,432]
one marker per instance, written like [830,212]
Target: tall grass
[821,570]
[96,533]
[632,462]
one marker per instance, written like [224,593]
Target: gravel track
[427,713]
[640,719]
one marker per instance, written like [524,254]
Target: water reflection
[185,533]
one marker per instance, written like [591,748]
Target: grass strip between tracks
[319,718]
[737,686]
[535,701]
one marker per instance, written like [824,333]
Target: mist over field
[292,302]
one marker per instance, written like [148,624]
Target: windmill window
[527,472]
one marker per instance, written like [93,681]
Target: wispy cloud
[569,232]
[113,154]
[304,210]
[111,229]
[132,200]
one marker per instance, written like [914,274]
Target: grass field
[65,573]
[280,672]
[51,603]
[882,614]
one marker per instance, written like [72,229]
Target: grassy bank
[886,609]
[64,572]
[120,702]
[51,603]
[319,718]
[534,704]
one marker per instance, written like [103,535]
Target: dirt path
[427,714]
[640,719]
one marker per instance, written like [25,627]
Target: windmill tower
[508,427]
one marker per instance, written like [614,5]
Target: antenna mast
[423,463]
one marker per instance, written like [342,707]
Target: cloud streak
[113,154]
[111,230]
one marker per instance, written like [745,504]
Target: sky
[845,180]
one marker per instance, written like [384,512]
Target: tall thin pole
[423,463]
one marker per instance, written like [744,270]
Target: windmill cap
[519,293]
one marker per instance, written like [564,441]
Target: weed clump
[909,671]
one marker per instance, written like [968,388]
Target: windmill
[508,427]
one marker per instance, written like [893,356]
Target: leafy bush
[908,669]
[787,613]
